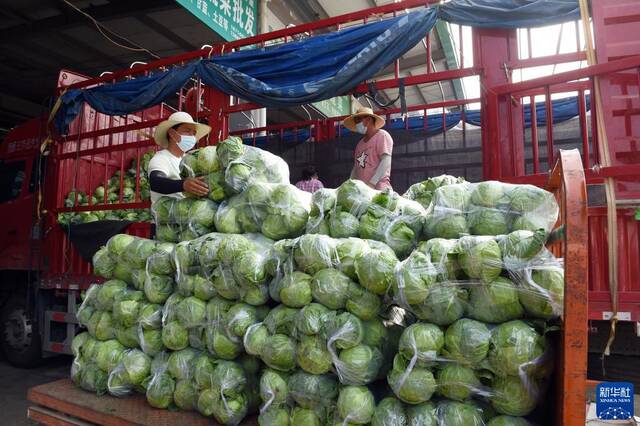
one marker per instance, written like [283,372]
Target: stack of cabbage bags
[249,192]
[356,210]
[303,321]
[111,195]
[489,208]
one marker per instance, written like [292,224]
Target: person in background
[309,181]
[176,136]
[372,159]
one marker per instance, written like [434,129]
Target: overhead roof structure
[38,38]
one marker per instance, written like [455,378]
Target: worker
[176,136]
[309,181]
[372,159]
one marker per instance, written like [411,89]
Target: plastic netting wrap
[422,192]
[356,210]
[491,279]
[230,166]
[489,208]
[183,219]
[507,364]
[277,211]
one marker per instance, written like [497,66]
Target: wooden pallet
[61,403]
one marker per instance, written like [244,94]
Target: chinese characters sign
[334,107]
[614,401]
[232,19]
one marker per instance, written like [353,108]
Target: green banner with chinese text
[231,19]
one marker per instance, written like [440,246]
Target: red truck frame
[42,273]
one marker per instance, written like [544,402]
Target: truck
[42,271]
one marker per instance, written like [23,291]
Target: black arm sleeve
[160,183]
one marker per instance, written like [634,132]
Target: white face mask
[361,128]
[187,142]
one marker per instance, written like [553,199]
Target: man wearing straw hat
[372,159]
[176,135]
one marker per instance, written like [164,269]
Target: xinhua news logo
[614,400]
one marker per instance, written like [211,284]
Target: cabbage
[424,414]
[255,339]
[485,221]
[313,253]
[480,258]
[101,325]
[446,225]
[273,387]
[354,196]
[508,421]
[126,308]
[362,303]
[180,363]
[441,253]
[310,319]
[412,386]
[281,319]
[249,268]
[93,379]
[457,382]
[542,294]
[452,413]
[109,291]
[343,224]
[279,352]
[356,405]
[375,333]
[467,341]
[494,302]
[274,416]
[421,340]
[185,395]
[389,412]
[151,341]
[343,330]
[444,305]
[489,194]
[422,192]
[160,391]
[347,251]
[513,396]
[158,288]
[520,246]
[515,347]
[128,336]
[117,245]
[175,336]
[331,288]
[109,354]
[295,289]
[312,355]
[312,390]
[190,312]
[413,278]
[359,365]
[221,345]
[78,342]
[103,264]
[307,417]
[375,270]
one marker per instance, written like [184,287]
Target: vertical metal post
[534,135]
[549,124]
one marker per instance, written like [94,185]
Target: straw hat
[180,117]
[350,124]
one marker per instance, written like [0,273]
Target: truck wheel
[19,335]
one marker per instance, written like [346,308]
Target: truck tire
[19,335]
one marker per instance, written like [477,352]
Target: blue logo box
[614,400]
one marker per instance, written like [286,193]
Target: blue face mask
[187,142]
[361,128]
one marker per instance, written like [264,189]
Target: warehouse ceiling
[38,38]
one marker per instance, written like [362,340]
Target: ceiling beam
[165,32]
[104,13]
[91,50]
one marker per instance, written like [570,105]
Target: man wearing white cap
[372,159]
[176,135]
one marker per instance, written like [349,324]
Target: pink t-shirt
[367,157]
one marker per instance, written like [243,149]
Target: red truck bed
[63,403]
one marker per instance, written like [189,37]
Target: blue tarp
[563,109]
[509,13]
[315,68]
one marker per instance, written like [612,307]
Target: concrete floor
[16,382]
